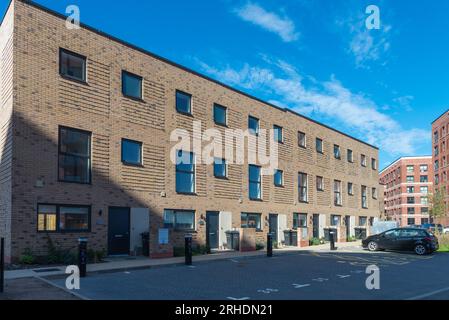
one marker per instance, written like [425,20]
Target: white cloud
[404,102]
[365,45]
[329,99]
[282,26]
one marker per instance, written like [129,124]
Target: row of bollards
[188,246]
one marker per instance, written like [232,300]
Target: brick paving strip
[122,264]
[34,289]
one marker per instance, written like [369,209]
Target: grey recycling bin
[287,237]
[145,244]
[233,240]
[327,234]
[294,238]
[360,233]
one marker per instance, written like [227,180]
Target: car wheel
[420,249]
[373,246]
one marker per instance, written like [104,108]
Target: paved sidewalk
[128,263]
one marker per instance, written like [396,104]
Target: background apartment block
[440,158]
[407,189]
[85,146]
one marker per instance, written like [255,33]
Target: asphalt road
[297,276]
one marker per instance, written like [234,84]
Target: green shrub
[351,239]
[260,246]
[443,241]
[27,257]
[314,241]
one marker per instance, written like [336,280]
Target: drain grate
[46,270]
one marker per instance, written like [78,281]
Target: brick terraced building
[440,159]
[408,186]
[85,125]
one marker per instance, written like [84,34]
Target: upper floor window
[74,155]
[410,169]
[255,183]
[423,179]
[302,187]
[72,65]
[279,178]
[183,102]
[423,168]
[319,145]
[131,85]
[337,193]
[373,164]
[435,137]
[185,172]
[350,189]
[410,189]
[364,197]
[302,140]
[220,168]
[220,115]
[319,183]
[350,156]
[131,152]
[374,193]
[435,150]
[337,152]
[410,179]
[424,190]
[253,125]
[363,160]
[278,134]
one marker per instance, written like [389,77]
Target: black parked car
[403,239]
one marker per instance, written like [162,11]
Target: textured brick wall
[45,100]
[6,103]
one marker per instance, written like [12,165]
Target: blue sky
[314,56]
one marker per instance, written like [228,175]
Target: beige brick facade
[43,101]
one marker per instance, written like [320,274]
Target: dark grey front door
[273,221]
[348,226]
[316,226]
[212,228]
[118,230]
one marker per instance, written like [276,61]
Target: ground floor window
[63,218]
[424,220]
[179,219]
[335,220]
[251,220]
[362,221]
[299,220]
[411,221]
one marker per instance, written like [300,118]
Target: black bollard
[2,265]
[188,249]
[82,256]
[332,240]
[269,245]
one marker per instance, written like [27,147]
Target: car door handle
[118,236]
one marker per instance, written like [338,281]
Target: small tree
[437,205]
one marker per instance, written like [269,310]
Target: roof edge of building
[196,73]
[403,158]
[441,115]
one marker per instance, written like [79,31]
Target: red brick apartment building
[440,158]
[408,186]
[85,126]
